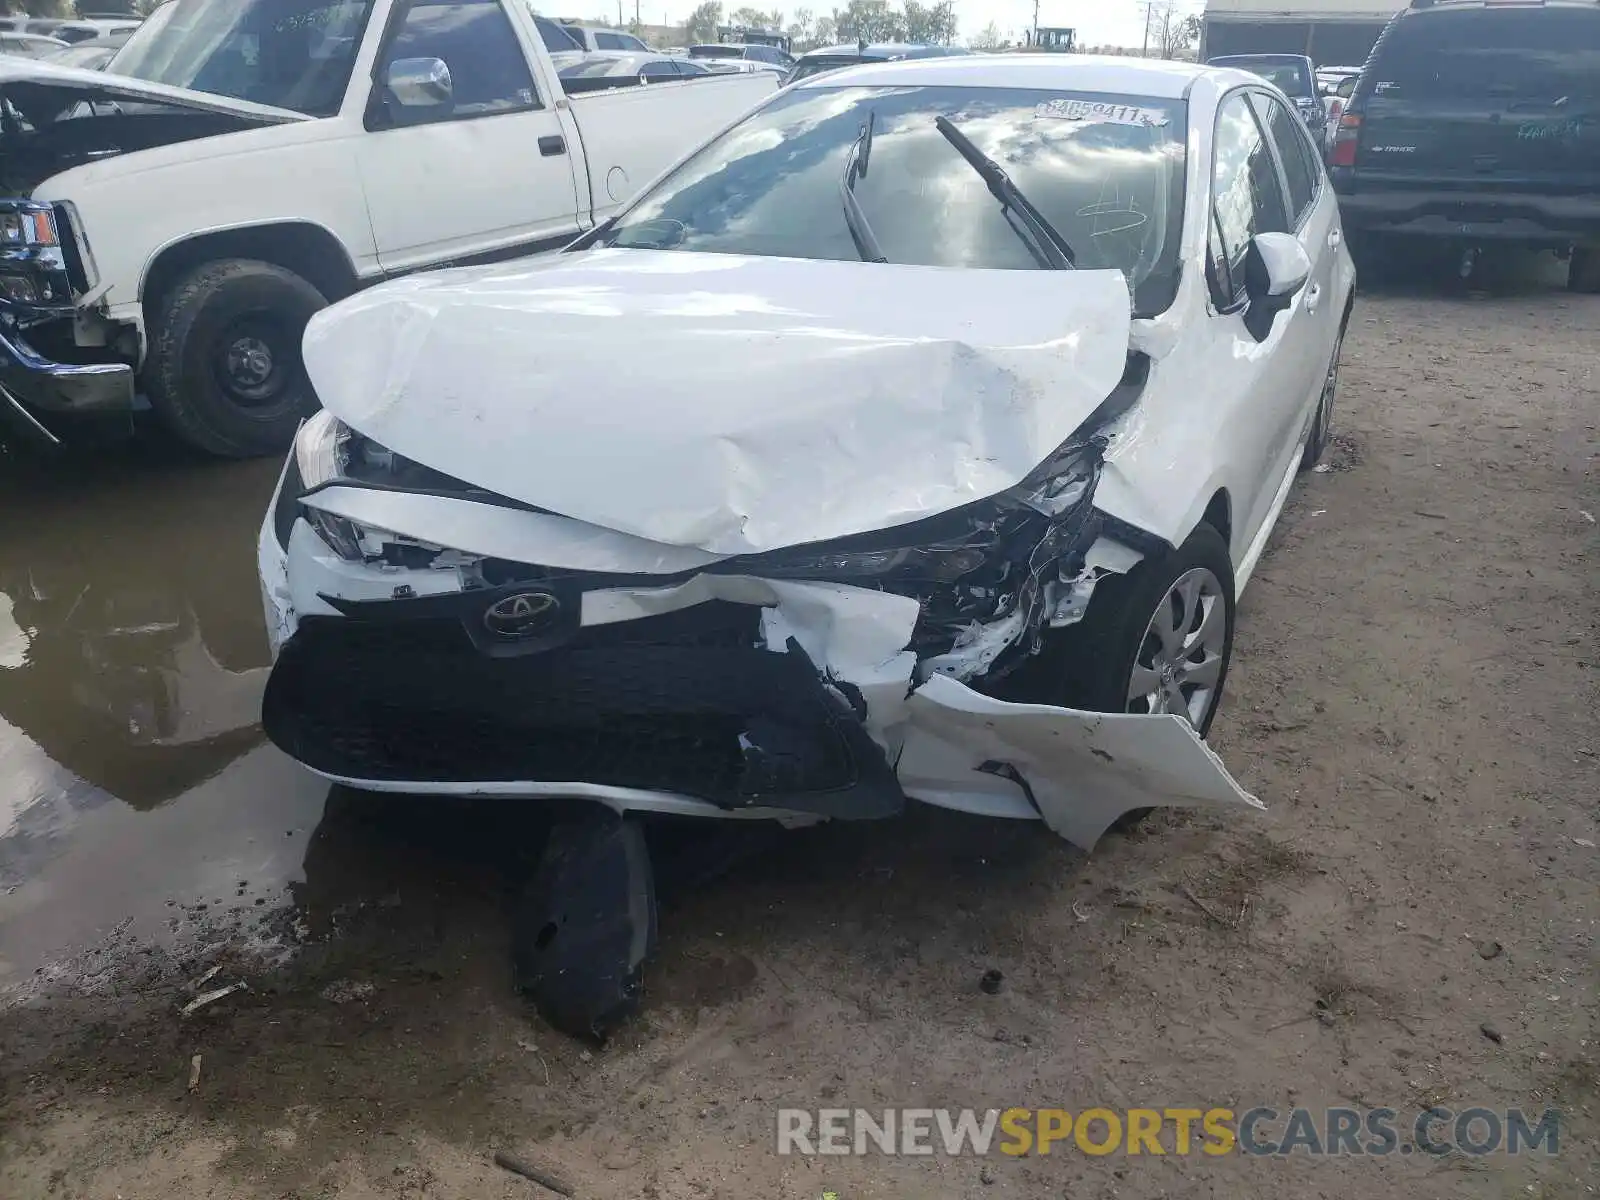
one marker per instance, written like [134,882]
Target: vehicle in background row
[76,32]
[1338,84]
[558,40]
[595,72]
[1479,122]
[1291,74]
[832,58]
[1331,79]
[92,55]
[179,217]
[743,58]
[912,439]
[597,37]
[30,45]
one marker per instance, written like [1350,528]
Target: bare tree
[870,21]
[703,21]
[1170,31]
[754,18]
[988,38]
[931,24]
[802,29]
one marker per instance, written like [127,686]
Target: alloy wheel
[1180,659]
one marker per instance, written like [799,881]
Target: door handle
[1314,297]
[552,145]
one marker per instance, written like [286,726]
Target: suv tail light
[1345,140]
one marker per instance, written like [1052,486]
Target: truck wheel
[224,370]
[1584,274]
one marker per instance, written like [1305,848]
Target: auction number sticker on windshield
[1102,111]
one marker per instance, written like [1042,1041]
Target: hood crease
[731,404]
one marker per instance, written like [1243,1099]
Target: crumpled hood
[35,86]
[734,404]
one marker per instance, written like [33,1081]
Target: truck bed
[623,125]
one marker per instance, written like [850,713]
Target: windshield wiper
[1044,240]
[855,167]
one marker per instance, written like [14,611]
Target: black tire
[1322,429]
[1089,665]
[1583,275]
[205,394]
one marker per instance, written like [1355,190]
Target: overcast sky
[1098,22]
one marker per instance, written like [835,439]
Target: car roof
[1281,58]
[883,50]
[1153,77]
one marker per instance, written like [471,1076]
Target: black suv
[1476,121]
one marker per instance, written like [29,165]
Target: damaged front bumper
[37,394]
[709,694]
[43,268]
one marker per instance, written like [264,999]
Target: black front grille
[685,702]
[66,230]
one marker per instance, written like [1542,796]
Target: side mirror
[419,82]
[1276,268]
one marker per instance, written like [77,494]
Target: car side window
[1294,151]
[478,46]
[1246,196]
[610,41]
[656,72]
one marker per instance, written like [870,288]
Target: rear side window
[1520,52]
[1246,197]
[1299,167]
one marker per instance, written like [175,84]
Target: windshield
[294,54]
[1106,171]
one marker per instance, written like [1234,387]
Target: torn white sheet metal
[734,404]
[1084,769]
[853,635]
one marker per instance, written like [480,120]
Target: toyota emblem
[521,615]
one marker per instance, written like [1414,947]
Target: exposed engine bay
[55,118]
[44,132]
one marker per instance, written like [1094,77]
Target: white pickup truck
[169,227]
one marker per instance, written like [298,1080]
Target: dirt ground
[1413,696]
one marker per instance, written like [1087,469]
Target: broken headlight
[326,450]
[941,563]
[966,545]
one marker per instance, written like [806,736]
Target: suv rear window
[1541,52]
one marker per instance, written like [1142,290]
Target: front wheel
[1157,640]
[1322,428]
[224,371]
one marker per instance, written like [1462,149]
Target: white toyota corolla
[911,439]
